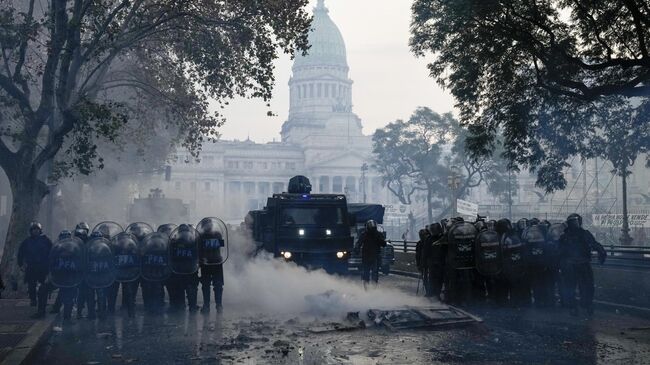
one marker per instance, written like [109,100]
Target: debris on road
[413,318]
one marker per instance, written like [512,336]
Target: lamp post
[364,169]
[453,181]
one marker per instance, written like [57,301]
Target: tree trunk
[429,207]
[27,194]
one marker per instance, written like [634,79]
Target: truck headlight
[340,254]
[328,232]
[301,232]
[287,255]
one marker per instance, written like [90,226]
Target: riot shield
[108,229]
[155,257]
[555,231]
[127,257]
[461,238]
[488,254]
[67,263]
[213,241]
[100,269]
[514,255]
[184,250]
[139,230]
[535,239]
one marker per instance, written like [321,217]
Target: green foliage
[535,71]
[90,67]
[415,157]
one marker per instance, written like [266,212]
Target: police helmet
[371,225]
[574,220]
[35,225]
[423,234]
[503,226]
[65,234]
[435,230]
[84,226]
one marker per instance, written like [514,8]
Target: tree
[621,135]
[67,65]
[415,158]
[534,70]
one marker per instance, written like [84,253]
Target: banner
[466,208]
[396,211]
[616,220]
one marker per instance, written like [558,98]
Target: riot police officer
[82,231]
[422,234]
[171,284]
[434,254]
[66,270]
[34,254]
[371,242]
[576,245]
[185,264]
[211,240]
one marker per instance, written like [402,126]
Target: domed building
[322,139]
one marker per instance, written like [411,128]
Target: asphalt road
[507,336]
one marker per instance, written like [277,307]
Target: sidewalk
[19,334]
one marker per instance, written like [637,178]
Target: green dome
[326,41]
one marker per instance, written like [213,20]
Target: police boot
[218,298]
[206,298]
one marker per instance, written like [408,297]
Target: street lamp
[453,182]
[364,169]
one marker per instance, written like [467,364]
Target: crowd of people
[89,267]
[532,262]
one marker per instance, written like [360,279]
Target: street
[507,336]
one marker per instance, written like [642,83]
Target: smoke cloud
[265,285]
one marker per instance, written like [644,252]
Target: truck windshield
[312,216]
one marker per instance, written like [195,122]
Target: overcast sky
[389,81]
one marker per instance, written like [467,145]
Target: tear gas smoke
[267,285]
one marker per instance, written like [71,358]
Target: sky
[389,81]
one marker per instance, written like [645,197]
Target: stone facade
[321,139]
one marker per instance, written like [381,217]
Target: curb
[632,310]
[36,334]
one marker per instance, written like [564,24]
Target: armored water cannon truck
[312,230]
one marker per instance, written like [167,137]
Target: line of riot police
[88,267]
[528,263]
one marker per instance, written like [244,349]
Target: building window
[233,164]
[291,165]
[350,184]
[193,186]
[327,90]
[177,185]
[311,90]
[207,186]
[249,188]
[304,91]
[337,184]
[248,165]
[263,165]
[278,187]
[333,90]
[320,90]
[263,188]
[324,184]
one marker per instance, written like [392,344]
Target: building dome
[327,45]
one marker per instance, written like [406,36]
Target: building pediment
[342,159]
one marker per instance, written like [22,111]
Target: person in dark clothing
[434,255]
[371,242]
[33,255]
[2,285]
[419,246]
[576,245]
[82,230]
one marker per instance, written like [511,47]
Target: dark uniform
[81,231]
[371,242]
[434,255]
[576,245]
[211,240]
[34,254]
